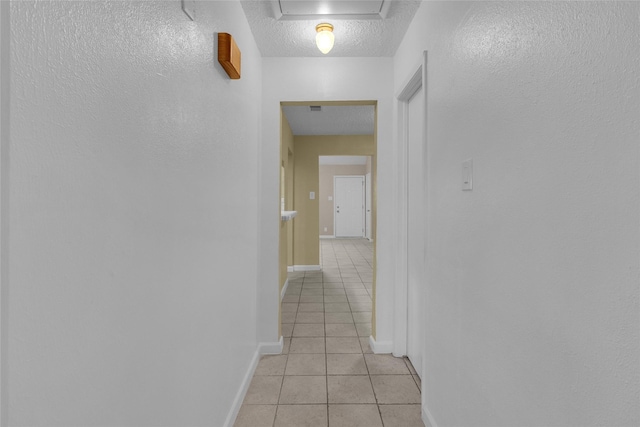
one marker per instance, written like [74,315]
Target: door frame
[335,178]
[417,80]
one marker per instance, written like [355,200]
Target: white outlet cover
[467,175]
[330,198]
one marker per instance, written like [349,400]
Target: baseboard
[244,387]
[271,347]
[307,268]
[380,347]
[327,237]
[427,419]
[371,240]
[284,289]
[290,269]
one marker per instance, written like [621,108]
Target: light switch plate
[467,175]
[312,195]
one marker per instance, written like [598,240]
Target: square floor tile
[336,307]
[362,317]
[341,330]
[335,298]
[401,415]
[334,291]
[366,347]
[306,364]
[291,298]
[307,345]
[271,365]
[308,330]
[307,307]
[338,318]
[333,285]
[289,317]
[256,416]
[343,345]
[264,390]
[286,344]
[304,389]
[301,416]
[355,292]
[289,307]
[354,416]
[286,329]
[311,292]
[346,364]
[312,298]
[357,298]
[350,389]
[386,364]
[310,317]
[364,329]
[395,389]
[359,306]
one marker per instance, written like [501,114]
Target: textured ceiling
[332,120]
[366,37]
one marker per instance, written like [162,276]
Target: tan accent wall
[327,172]
[286,186]
[307,149]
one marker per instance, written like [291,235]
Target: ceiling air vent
[315,107]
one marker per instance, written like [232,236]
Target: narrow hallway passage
[327,374]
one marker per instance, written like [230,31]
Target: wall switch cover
[330,198]
[467,175]
[312,195]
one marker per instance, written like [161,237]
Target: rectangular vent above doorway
[315,107]
[337,9]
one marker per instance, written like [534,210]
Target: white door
[349,206]
[368,192]
[416,224]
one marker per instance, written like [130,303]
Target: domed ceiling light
[324,37]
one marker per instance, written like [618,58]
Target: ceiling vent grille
[315,107]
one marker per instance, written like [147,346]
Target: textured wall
[532,315]
[133,214]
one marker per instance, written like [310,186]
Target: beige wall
[306,240]
[327,172]
[286,228]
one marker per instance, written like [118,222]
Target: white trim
[427,418]
[290,269]
[242,391]
[271,347]
[263,348]
[327,237]
[5,35]
[380,347]
[284,289]
[307,268]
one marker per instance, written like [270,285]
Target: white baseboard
[263,348]
[371,240]
[380,347]
[244,387]
[290,269]
[284,289]
[427,419]
[271,347]
[307,268]
[327,237]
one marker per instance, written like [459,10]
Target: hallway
[327,374]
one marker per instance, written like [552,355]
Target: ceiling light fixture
[324,37]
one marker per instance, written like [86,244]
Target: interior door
[349,206]
[416,223]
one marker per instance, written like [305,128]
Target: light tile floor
[327,375]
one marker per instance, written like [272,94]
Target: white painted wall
[324,79]
[532,314]
[132,288]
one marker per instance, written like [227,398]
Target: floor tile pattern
[327,375]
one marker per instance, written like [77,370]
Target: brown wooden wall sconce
[229,55]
